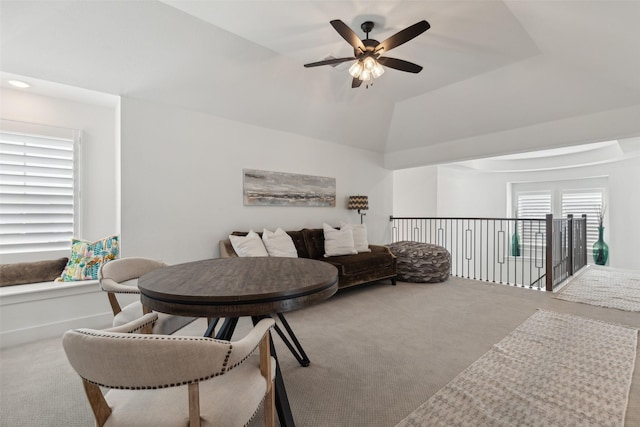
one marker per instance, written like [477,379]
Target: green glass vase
[515,243]
[600,249]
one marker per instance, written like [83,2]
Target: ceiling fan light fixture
[356,69]
[365,75]
[369,63]
[377,70]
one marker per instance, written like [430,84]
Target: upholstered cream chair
[120,276]
[169,380]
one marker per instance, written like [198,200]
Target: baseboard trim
[53,329]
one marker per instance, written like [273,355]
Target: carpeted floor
[604,287]
[377,353]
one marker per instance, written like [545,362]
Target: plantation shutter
[584,202]
[37,192]
[532,206]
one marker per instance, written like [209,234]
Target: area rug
[553,370]
[604,287]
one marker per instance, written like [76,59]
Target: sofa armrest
[226,249]
[380,248]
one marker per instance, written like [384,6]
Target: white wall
[471,193]
[98,124]
[423,200]
[624,206]
[182,181]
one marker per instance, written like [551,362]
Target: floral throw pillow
[87,257]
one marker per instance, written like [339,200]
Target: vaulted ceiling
[499,77]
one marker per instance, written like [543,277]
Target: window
[38,187]
[534,205]
[561,198]
[587,203]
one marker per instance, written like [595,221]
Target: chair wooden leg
[113,301]
[194,405]
[99,405]
[265,370]
[149,328]
[269,407]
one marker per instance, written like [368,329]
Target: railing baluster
[549,252]
[506,251]
[456,252]
[493,252]
[479,259]
[500,248]
[487,251]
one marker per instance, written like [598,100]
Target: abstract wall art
[264,188]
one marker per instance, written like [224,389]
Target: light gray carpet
[377,353]
[553,371]
[604,287]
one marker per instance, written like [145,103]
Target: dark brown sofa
[356,269]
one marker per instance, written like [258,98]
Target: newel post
[570,243]
[549,253]
[584,241]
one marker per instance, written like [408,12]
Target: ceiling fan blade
[403,36]
[356,82]
[399,64]
[329,62]
[348,34]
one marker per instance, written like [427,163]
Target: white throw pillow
[338,242]
[279,243]
[249,245]
[359,236]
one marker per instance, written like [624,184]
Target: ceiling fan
[368,52]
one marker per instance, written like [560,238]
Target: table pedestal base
[298,351]
[292,343]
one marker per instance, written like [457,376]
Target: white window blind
[584,202]
[38,192]
[533,205]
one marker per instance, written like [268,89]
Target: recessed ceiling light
[20,84]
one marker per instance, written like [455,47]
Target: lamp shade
[358,202]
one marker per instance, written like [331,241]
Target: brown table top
[234,287]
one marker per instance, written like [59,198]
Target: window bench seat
[34,311]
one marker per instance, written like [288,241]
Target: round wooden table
[236,287]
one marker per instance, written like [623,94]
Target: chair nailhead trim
[121,335]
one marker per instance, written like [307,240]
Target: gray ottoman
[421,262]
